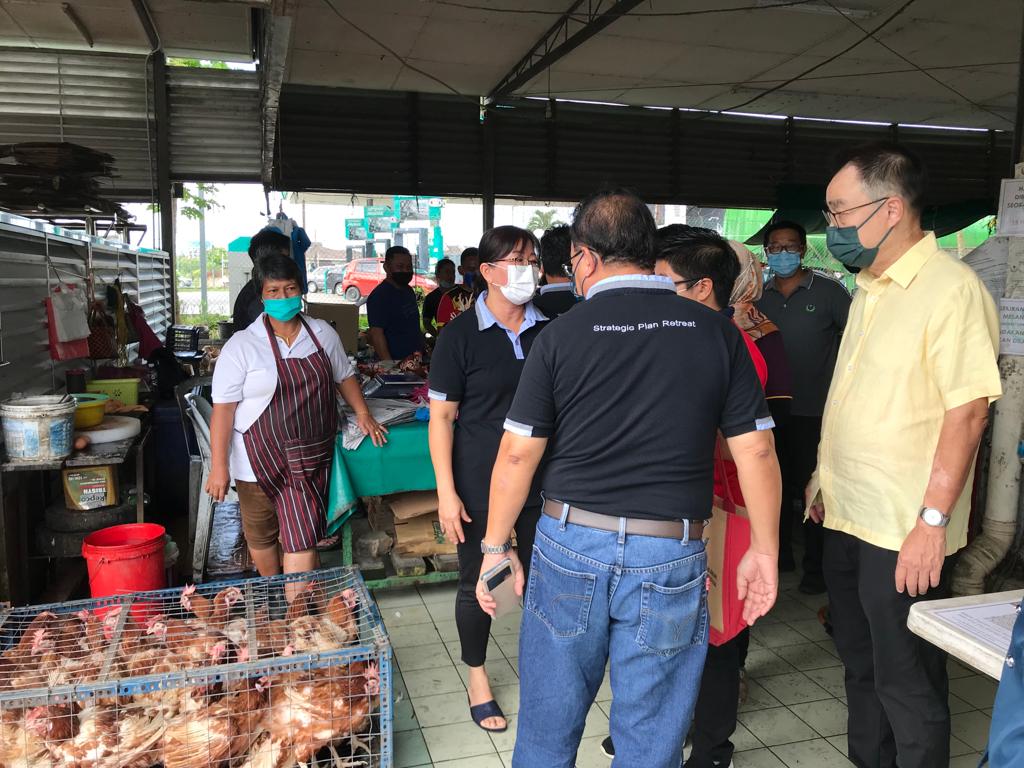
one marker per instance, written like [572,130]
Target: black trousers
[473,624]
[797,446]
[897,687]
[714,718]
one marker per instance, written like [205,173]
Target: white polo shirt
[246,374]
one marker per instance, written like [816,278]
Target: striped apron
[291,444]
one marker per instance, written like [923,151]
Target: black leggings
[473,624]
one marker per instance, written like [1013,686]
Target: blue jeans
[593,595]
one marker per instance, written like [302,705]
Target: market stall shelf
[223,674]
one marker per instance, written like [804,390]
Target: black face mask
[402,278]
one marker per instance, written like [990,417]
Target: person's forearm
[222,422]
[441,439]
[961,433]
[352,394]
[761,482]
[518,459]
[379,343]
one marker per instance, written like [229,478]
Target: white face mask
[522,283]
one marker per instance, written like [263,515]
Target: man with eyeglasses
[810,309]
[625,395]
[915,375]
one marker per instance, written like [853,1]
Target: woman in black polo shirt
[473,377]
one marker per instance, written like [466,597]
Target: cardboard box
[344,318]
[405,506]
[88,488]
[421,536]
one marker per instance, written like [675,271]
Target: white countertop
[975,629]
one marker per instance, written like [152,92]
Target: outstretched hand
[757,583]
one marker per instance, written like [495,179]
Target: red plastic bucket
[124,559]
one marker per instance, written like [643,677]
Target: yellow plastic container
[125,390]
[90,409]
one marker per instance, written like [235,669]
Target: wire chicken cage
[260,673]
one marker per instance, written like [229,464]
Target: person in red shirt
[460,298]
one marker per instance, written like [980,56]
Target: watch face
[934,517]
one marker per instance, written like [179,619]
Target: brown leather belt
[666,529]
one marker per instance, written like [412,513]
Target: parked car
[184,282]
[358,278]
[315,280]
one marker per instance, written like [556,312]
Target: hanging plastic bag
[67,326]
[101,334]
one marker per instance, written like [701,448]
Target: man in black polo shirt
[810,310]
[627,394]
[555,297]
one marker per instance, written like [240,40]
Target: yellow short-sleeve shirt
[921,339]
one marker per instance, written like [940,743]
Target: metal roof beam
[278,28]
[583,20]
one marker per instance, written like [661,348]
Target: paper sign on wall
[1011,326]
[1011,207]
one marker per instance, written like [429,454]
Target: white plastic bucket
[38,428]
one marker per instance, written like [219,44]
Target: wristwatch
[933,517]
[488,550]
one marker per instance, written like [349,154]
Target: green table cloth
[401,465]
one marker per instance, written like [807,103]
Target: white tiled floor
[795,716]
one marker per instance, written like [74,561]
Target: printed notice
[1011,326]
[990,625]
[1011,207]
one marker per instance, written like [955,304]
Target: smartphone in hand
[502,587]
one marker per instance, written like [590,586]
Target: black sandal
[481,712]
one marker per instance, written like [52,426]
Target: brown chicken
[308,711]
[341,614]
[20,747]
[308,602]
[91,741]
[214,612]
[217,733]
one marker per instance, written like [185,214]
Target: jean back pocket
[672,618]
[559,597]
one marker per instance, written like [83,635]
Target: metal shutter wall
[215,124]
[93,99]
[370,142]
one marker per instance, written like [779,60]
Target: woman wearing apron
[275,419]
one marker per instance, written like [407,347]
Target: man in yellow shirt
[915,375]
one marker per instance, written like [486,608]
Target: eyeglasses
[519,261]
[688,283]
[833,217]
[567,269]
[773,249]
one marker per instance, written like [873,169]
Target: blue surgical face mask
[446,284]
[844,243]
[784,263]
[283,309]
[467,280]
[571,273]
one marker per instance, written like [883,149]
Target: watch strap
[489,550]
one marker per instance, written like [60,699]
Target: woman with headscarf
[749,285]
[778,389]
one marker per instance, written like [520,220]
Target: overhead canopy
[929,62]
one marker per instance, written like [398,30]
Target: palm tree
[543,220]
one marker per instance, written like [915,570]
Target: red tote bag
[727,539]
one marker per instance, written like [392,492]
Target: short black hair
[443,263]
[556,250]
[395,250]
[775,226]
[472,251]
[276,266]
[268,241]
[618,226]
[496,244]
[888,168]
[695,253]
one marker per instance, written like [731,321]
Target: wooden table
[975,629]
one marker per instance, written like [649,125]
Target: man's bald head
[617,226]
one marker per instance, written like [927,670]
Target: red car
[358,278]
